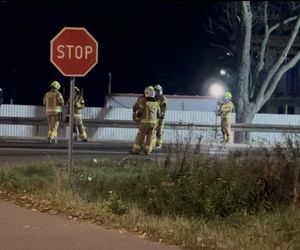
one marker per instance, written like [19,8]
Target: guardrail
[179,125]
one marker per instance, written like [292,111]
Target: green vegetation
[238,202]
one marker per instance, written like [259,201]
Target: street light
[216,90]
[223,72]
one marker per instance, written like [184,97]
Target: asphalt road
[19,150]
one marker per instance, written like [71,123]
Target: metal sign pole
[216,121]
[71,121]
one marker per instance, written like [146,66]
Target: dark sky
[141,43]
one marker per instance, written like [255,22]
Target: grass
[189,199]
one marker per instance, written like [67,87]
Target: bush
[29,178]
[199,186]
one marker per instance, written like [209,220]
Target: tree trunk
[243,115]
[244,109]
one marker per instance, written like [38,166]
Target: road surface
[19,150]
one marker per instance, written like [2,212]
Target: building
[286,97]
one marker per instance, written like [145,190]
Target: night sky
[141,43]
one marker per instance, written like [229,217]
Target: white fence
[128,134]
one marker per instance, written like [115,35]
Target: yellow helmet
[77,89]
[158,88]
[149,91]
[55,84]
[228,95]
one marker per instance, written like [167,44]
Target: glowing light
[222,72]
[216,90]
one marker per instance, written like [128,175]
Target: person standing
[148,113]
[78,123]
[53,101]
[140,103]
[162,101]
[225,111]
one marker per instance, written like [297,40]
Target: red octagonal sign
[73,51]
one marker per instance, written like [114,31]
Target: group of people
[54,103]
[149,114]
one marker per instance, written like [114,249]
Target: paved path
[25,229]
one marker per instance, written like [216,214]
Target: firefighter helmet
[149,91]
[55,84]
[159,88]
[227,95]
[77,90]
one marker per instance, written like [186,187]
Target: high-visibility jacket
[162,101]
[53,101]
[150,112]
[78,105]
[226,109]
[138,106]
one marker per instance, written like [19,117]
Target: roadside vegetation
[243,201]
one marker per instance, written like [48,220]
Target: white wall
[128,134]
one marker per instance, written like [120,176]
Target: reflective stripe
[149,121]
[159,141]
[57,109]
[135,146]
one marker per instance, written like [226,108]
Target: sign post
[71,124]
[74,52]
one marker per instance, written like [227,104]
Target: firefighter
[53,101]
[148,113]
[78,124]
[225,110]
[140,103]
[162,101]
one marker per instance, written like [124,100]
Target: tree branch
[265,41]
[223,47]
[295,6]
[228,15]
[282,70]
[266,38]
[273,70]
[286,21]
[209,27]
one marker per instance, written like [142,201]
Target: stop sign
[73,51]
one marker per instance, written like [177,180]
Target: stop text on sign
[71,51]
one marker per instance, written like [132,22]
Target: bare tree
[260,65]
